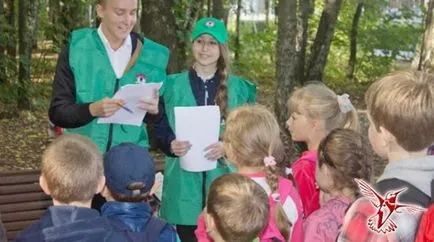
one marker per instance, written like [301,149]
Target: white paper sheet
[131,94]
[200,126]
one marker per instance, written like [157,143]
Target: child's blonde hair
[403,103]
[344,152]
[72,167]
[252,134]
[239,207]
[317,101]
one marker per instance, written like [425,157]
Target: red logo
[381,221]
[140,78]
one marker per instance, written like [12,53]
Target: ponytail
[273,181]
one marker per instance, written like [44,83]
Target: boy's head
[401,109]
[129,171]
[237,208]
[72,169]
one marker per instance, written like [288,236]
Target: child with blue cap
[130,174]
[207,82]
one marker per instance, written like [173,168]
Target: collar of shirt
[203,91]
[118,58]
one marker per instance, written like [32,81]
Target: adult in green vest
[207,82]
[94,65]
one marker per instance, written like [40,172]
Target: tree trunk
[306,11]
[12,39]
[34,23]
[53,16]
[201,12]
[25,49]
[426,59]
[267,12]
[158,23]
[209,8]
[193,12]
[220,11]
[353,48]
[285,56]
[72,17]
[323,40]
[237,30]
[3,44]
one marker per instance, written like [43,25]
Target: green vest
[95,79]
[182,190]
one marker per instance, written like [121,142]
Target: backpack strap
[154,228]
[432,191]
[411,195]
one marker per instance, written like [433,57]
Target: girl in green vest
[207,82]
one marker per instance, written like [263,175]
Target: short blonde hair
[239,207]
[72,166]
[403,103]
[317,101]
[252,133]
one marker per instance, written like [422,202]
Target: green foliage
[257,56]
[378,33]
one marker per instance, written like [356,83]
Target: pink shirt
[291,204]
[304,175]
[323,224]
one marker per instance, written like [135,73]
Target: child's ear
[101,185]
[317,124]
[106,193]
[386,137]
[43,184]
[209,222]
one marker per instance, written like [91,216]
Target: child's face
[206,50]
[376,140]
[299,126]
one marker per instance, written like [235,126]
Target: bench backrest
[22,202]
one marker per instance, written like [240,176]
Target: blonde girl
[315,111]
[253,146]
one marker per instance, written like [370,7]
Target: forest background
[277,44]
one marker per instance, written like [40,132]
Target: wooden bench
[22,202]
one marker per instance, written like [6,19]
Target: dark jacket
[71,223]
[136,217]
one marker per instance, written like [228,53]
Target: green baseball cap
[212,26]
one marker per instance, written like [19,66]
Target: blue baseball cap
[126,164]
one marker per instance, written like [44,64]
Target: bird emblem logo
[386,206]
